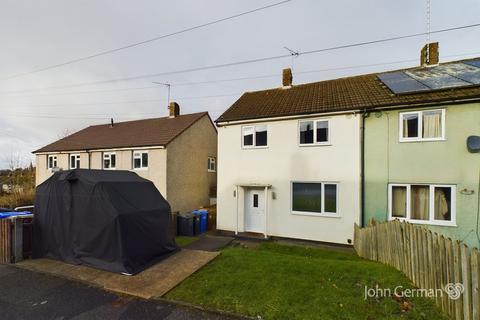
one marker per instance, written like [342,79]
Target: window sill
[313,214]
[314,144]
[430,223]
[140,169]
[260,147]
[212,171]
[422,140]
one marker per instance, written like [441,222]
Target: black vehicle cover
[112,220]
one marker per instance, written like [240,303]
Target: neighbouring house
[289,162]
[417,165]
[308,161]
[177,153]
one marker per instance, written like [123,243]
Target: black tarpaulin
[112,220]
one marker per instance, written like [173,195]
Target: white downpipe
[236,224]
[266,211]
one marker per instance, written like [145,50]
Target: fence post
[475,267]
[467,283]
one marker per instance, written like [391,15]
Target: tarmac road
[30,295]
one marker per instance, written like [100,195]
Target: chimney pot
[287,77]
[173,110]
[429,55]
[111,123]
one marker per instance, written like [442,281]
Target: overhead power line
[21,95]
[93,104]
[262,59]
[136,44]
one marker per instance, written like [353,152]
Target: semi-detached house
[177,153]
[308,161]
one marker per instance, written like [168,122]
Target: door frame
[243,188]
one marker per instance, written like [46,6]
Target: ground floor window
[317,198]
[422,203]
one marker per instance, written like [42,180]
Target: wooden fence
[430,260]
[5,240]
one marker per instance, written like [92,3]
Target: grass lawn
[182,241]
[286,282]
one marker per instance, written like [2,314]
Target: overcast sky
[36,34]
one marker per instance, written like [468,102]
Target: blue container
[4,215]
[203,214]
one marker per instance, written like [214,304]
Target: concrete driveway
[29,295]
[153,282]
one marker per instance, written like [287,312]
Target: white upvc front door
[255,210]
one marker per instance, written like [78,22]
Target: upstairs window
[254,136]
[109,160]
[140,160]
[422,203]
[212,165]
[427,125]
[74,161]
[314,132]
[51,162]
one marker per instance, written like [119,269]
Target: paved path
[29,295]
[209,243]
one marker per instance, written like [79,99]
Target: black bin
[196,224]
[186,224]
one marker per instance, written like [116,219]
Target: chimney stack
[287,78]
[174,110]
[429,55]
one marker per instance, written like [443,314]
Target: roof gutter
[280,118]
[99,150]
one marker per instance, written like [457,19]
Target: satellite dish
[473,144]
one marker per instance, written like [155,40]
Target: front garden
[275,281]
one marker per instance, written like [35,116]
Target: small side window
[211,164]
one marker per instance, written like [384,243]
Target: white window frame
[54,161]
[254,146]
[109,155]
[77,157]
[135,154]
[431,219]
[315,143]
[212,160]
[420,126]
[317,214]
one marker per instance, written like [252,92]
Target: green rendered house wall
[438,162]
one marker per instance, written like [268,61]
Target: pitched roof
[351,93]
[138,133]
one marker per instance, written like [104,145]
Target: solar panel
[444,76]
[436,79]
[399,82]
[475,63]
[462,71]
